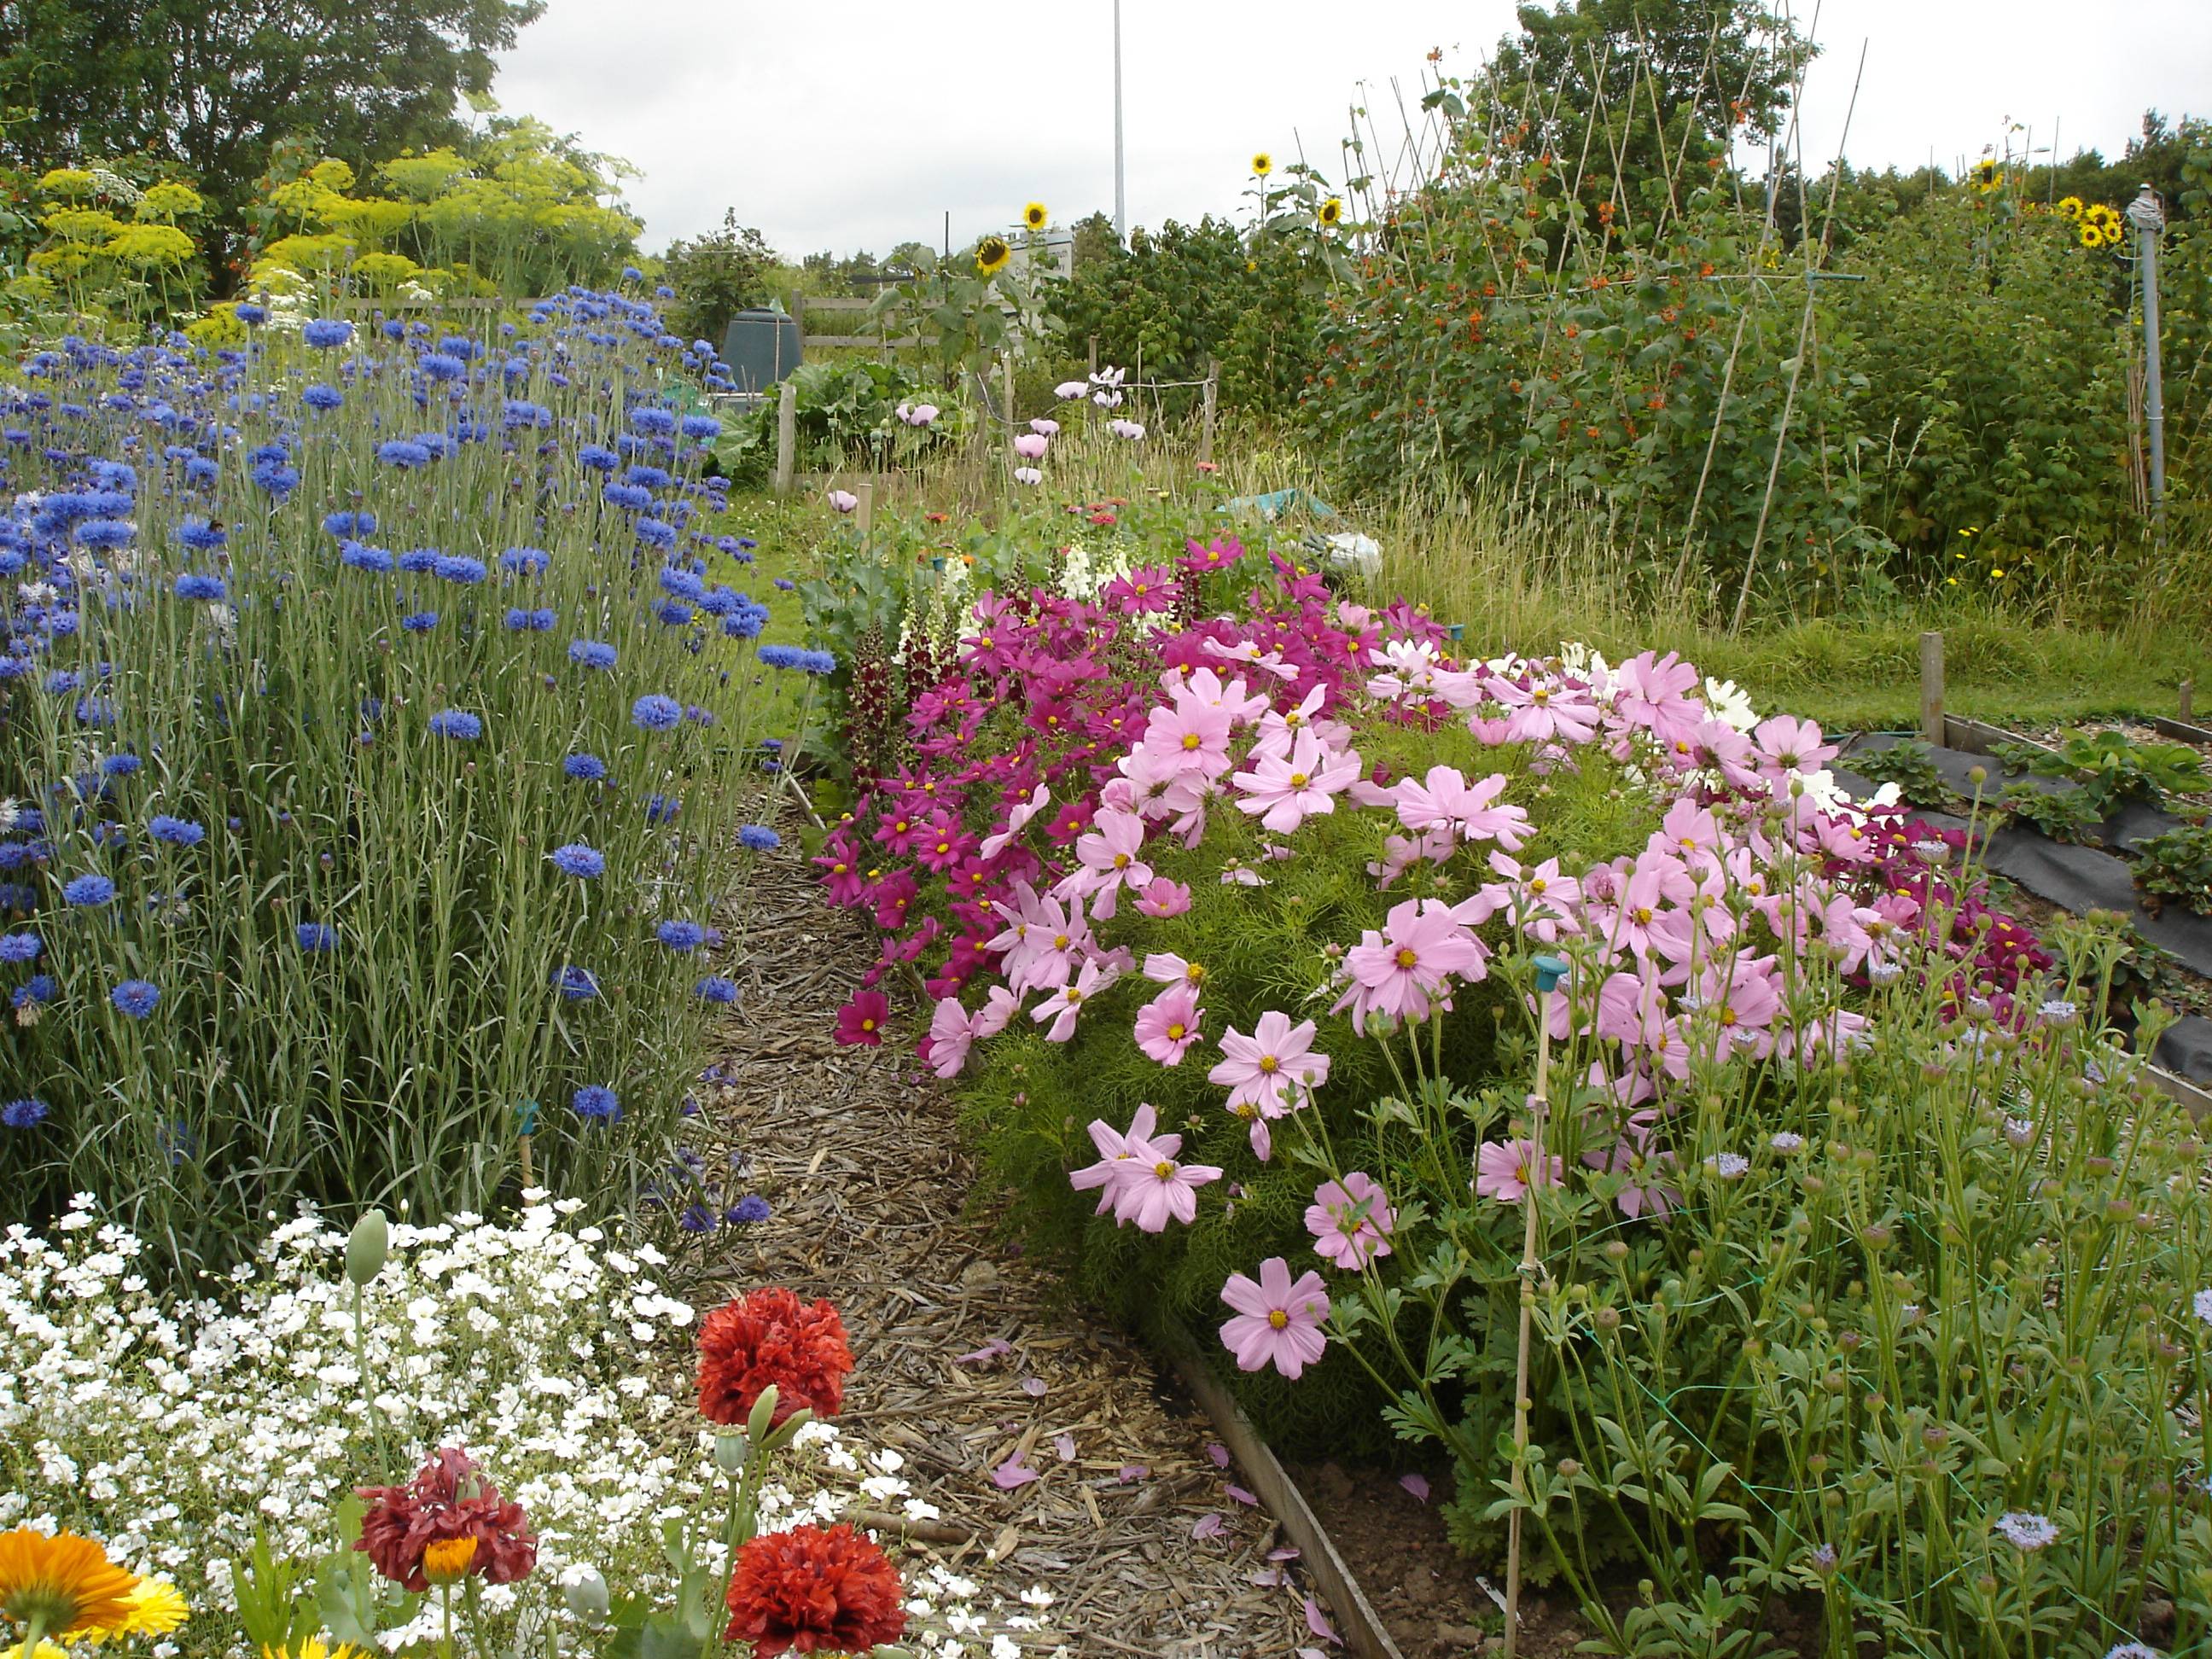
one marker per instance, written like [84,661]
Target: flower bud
[730,1452]
[367,1247]
[586,1596]
[764,1413]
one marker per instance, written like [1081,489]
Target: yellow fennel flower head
[446,1561]
[1263,163]
[64,1582]
[1331,212]
[69,181]
[331,174]
[2070,206]
[993,255]
[169,200]
[1035,216]
[156,1608]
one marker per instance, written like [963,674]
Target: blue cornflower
[749,1211]
[591,653]
[135,996]
[457,723]
[178,832]
[322,397]
[457,567]
[597,457]
[90,891]
[197,532]
[577,984]
[121,766]
[661,809]
[632,274]
[819,662]
[525,561]
[25,1114]
[314,936]
[759,838]
[598,1103]
[715,989]
[277,478]
[420,560]
[680,936]
[655,713]
[589,768]
[194,586]
[441,365]
[654,533]
[419,622]
[372,559]
[20,947]
[780,656]
[39,988]
[628,496]
[325,332]
[249,313]
[402,453]
[62,681]
[673,613]
[700,428]
[106,532]
[654,422]
[697,1217]
[344,523]
[578,860]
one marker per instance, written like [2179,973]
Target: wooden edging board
[1979,738]
[1361,1628]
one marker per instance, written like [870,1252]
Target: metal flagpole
[1121,193]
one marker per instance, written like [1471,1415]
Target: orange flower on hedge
[61,1582]
[769,1337]
[810,1591]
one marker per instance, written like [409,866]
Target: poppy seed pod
[367,1246]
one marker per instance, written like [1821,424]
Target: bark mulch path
[859,1155]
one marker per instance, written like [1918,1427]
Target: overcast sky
[861,124]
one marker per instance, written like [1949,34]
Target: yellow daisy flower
[993,255]
[154,1608]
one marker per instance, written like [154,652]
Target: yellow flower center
[1298,780]
[1407,957]
[1175,1031]
[1164,1169]
[1190,740]
[1269,1064]
[446,1561]
[1279,1319]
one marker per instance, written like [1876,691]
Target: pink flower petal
[1065,1445]
[1318,1622]
[1285,1552]
[984,1355]
[1012,1474]
[1241,1495]
[1210,1525]
[1416,1484]
[1034,1387]
[1130,1472]
[1219,1453]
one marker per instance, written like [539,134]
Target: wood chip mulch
[859,1153]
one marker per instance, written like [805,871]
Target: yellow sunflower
[2070,206]
[1984,175]
[62,1583]
[2092,235]
[1331,212]
[993,255]
[1035,216]
[1263,164]
[155,1609]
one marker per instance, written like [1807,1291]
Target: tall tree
[213,84]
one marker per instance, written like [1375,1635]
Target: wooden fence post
[2189,699]
[1212,397]
[1006,381]
[787,436]
[1931,689]
[864,515]
[796,305]
[1094,353]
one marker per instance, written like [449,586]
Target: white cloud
[863,124]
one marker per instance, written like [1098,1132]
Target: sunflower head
[2092,233]
[2070,206]
[1263,164]
[1331,212]
[1983,175]
[1035,216]
[66,1582]
[993,255]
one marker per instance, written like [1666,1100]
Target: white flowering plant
[220,1444]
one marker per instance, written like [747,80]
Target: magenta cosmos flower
[1279,1319]
[1169,1025]
[1406,967]
[1163,898]
[1506,1170]
[1351,1221]
[861,1021]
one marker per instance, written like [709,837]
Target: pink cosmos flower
[1544,712]
[1108,855]
[1166,968]
[1506,1170]
[1065,1003]
[1282,791]
[1163,898]
[860,1021]
[1446,800]
[1169,1025]
[1163,1191]
[1190,735]
[1119,1154]
[951,1034]
[1279,1320]
[1273,1069]
[997,1012]
[1351,1221]
[1654,692]
[1788,744]
[1632,1153]
[1022,812]
[1277,732]
[1404,968]
[1539,902]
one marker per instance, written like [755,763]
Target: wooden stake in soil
[2189,699]
[864,515]
[1550,970]
[787,436]
[1931,689]
[1212,392]
[1008,370]
[1094,353]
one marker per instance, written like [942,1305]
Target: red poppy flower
[810,1591]
[448,1499]
[771,1337]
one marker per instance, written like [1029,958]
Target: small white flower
[2202,1302]
[1785,1140]
[2026,1531]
